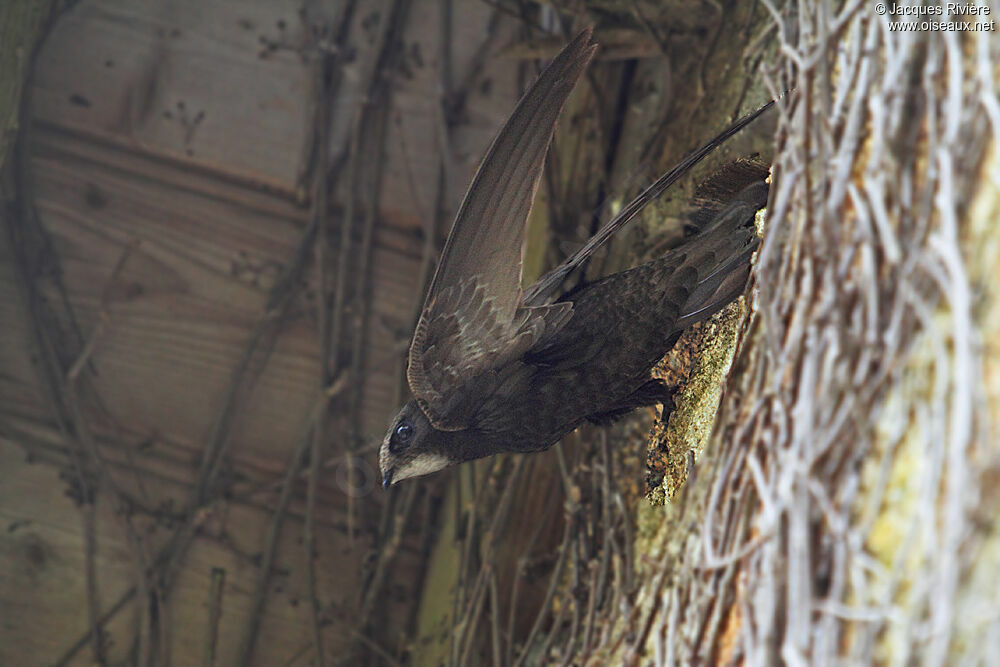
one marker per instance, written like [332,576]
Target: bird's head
[413,447]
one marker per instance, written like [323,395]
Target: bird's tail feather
[714,292]
[722,249]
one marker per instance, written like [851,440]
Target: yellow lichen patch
[983,243]
[905,485]
[897,465]
[976,599]
[699,364]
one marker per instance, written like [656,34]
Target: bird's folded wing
[721,255]
[465,344]
[472,318]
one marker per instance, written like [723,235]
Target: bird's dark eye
[404,431]
[403,434]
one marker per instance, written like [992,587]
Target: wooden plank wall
[177,134]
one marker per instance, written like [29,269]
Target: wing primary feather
[487,236]
[548,286]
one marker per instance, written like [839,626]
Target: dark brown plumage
[495,369]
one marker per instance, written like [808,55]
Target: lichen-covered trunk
[842,509]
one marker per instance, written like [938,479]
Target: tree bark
[836,514]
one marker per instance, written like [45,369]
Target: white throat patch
[421,464]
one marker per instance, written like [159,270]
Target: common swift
[494,368]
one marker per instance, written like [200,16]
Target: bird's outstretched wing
[473,320]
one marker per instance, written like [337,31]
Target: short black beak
[387,479]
